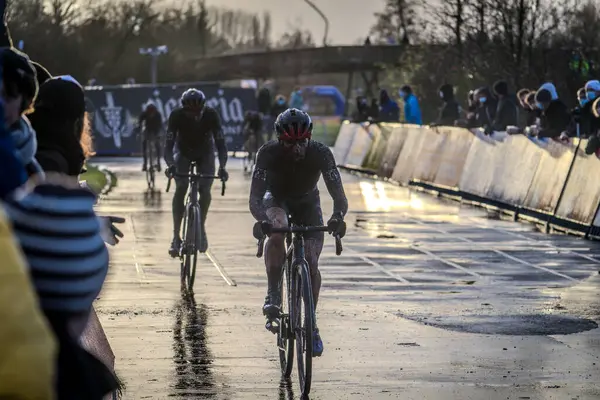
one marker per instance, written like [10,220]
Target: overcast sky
[349,20]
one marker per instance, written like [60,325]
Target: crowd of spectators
[538,113]
[53,244]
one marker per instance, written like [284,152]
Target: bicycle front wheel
[285,336]
[303,325]
[150,168]
[190,256]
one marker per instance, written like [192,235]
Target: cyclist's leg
[144,150]
[206,167]
[181,186]
[308,212]
[274,255]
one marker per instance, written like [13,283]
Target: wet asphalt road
[429,301]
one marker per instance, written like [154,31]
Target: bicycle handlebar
[298,229]
[197,176]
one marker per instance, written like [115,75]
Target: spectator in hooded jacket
[279,106]
[589,123]
[412,111]
[554,117]
[583,123]
[450,110]
[486,108]
[527,114]
[506,109]
[374,110]
[361,113]
[468,120]
[62,128]
[20,90]
[593,144]
[388,108]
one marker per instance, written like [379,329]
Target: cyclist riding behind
[150,124]
[285,183]
[252,130]
[193,131]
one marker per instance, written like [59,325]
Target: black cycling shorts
[304,210]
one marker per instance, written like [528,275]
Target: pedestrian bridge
[294,62]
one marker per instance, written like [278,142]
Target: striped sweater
[60,236]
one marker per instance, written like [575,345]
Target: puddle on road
[516,325]
[191,356]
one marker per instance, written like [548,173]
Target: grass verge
[98,179]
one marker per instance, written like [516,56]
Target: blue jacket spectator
[412,111]
[388,108]
[296,100]
[13,170]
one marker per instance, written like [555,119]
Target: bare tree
[397,22]
[296,39]
[451,16]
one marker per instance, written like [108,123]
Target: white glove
[110,233]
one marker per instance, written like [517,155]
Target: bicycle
[152,158]
[191,226]
[298,302]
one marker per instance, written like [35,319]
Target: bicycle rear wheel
[285,336]
[190,256]
[303,325]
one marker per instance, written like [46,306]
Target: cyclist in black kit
[252,133]
[150,122]
[192,132]
[285,183]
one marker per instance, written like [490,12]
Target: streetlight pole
[154,52]
[314,7]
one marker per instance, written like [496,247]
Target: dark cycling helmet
[151,107]
[193,98]
[293,124]
[19,75]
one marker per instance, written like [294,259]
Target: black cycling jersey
[287,180]
[253,122]
[193,136]
[152,121]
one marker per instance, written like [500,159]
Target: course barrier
[551,182]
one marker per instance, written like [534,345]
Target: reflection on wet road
[191,354]
[430,300]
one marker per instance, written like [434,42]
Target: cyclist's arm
[170,139]
[220,140]
[258,188]
[333,181]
